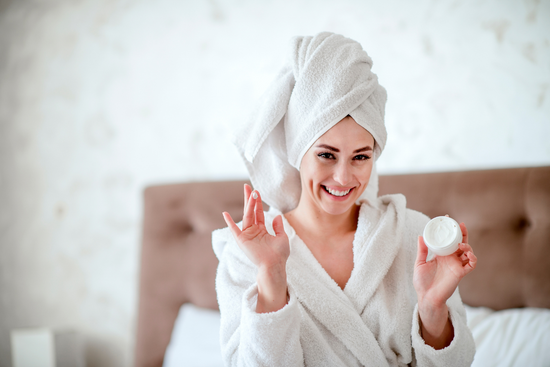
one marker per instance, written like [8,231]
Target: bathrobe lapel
[375,246]
[377,241]
[324,300]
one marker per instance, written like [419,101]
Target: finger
[472,261]
[231,224]
[422,252]
[248,217]
[259,210]
[247,192]
[459,252]
[464,233]
[278,226]
[465,247]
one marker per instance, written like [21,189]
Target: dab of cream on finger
[255,195]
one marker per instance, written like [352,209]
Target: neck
[314,221]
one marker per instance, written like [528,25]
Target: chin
[337,207]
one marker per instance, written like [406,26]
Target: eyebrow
[367,148]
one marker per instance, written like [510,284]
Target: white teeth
[337,193]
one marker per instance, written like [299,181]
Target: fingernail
[255,195]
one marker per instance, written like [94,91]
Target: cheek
[364,174]
[310,176]
[312,173]
[307,167]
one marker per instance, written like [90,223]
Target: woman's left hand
[436,280]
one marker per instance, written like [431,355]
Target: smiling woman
[331,276]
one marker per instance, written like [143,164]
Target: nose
[343,173]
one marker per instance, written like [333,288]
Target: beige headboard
[507,213]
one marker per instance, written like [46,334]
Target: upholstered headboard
[507,213]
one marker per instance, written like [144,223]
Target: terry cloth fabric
[373,321]
[326,78]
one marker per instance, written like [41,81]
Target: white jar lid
[442,232]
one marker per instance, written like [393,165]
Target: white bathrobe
[373,321]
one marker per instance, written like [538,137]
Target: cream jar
[442,235]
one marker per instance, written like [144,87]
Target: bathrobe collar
[375,246]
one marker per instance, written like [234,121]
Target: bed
[507,212]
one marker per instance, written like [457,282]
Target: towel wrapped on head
[326,78]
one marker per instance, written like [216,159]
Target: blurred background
[101,98]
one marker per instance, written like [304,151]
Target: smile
[336,192]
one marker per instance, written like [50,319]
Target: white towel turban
[326,78]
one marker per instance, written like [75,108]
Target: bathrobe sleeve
[249,338]
[461,351]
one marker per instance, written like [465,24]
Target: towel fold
[326,78]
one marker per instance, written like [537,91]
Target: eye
[361,157]
[326,155]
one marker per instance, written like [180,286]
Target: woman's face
[336,169]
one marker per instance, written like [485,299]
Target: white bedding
[515,337]
[195,339]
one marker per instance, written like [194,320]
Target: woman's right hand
[269,253]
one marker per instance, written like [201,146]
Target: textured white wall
[100,98]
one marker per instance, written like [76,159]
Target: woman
[341,278]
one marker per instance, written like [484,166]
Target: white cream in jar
[442,235]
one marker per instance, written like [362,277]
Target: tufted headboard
[507,213]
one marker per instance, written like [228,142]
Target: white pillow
[515,337]
[195,339]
